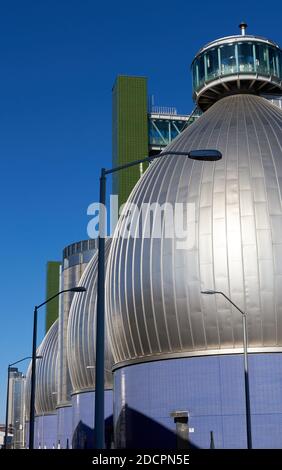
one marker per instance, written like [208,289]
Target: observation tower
[236,64]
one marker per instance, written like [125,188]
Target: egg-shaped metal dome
[234,243]
[81,333]
[46,375]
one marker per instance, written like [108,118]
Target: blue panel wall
[211,389]
[83,419]
[64,426]
[37,425]
[45,432]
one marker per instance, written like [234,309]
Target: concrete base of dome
[45,432]
[211,390]
[83,419]
[64,426]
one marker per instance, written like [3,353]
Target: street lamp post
[99,425]
[8,393]
[33,362]
[246,370]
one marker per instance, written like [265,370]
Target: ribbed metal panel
[46,375]
[75,259]
[155,306]
[81,333]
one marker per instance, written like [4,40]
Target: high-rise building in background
[16,409]
[139,129]
[52,287]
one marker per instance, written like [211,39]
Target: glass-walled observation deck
[245,63]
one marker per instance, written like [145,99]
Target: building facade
[174,356]
[16,409]
[175,349]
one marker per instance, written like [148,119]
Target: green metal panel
[52,287]
[130,131]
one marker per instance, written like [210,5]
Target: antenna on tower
[243,26]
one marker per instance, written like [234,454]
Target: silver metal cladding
[81,333]
[153,289]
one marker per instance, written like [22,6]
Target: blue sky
[58,62]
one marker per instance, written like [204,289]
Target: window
[195,75]
[273,56]
[201,67]
[262,59]
[212,64]
[245,57]
[228,59]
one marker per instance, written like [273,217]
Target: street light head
[210,292]
[78,289]
[208,155]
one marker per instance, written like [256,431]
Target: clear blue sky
[58,62]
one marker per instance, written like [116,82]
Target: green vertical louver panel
[52,287]
[130,131]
